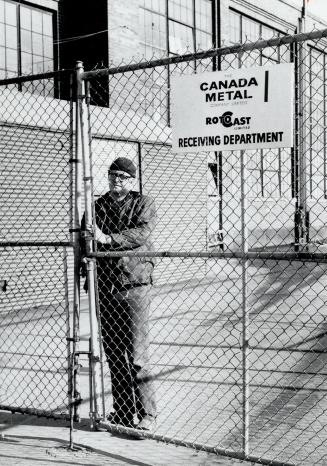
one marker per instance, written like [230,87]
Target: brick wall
[35,184]
[35,195]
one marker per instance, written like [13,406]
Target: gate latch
[3,286]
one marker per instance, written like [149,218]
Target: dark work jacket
[130,223]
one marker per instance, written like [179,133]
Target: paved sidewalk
[28,441]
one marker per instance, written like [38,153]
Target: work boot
[147,423]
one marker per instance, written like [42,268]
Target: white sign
[248,108]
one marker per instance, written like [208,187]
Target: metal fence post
[77,182]
[245,313]
[70,352]
[302,213]
[71,337]
[90,263]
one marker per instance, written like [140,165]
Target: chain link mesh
[186,344]
[35,244]
[200,303]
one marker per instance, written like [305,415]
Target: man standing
[124,222]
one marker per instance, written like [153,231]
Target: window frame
[170,20]
[262,173]
[168,49]
[258,21]
[312,125]
[19,29]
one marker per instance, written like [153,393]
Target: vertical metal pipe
[90,263]
[303,132]
[102,361]
[139,161]
[70,362]
[77,259]
[194,35]
[245,312]
[325,124]
[168,66]
[216,32]
[98,327]
[91,393]
[71,160]
[95,344]
[71,348]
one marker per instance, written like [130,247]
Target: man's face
[120,183]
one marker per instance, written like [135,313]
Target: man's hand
[319,242]
[100,237]
[97,234]
[88,232]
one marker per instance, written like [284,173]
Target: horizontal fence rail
[36,77]
[284,256]
[223,51]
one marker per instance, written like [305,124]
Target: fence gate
[36,269]
[238,325]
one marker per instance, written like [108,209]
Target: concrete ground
[197,365]
[28,441]
[196,337]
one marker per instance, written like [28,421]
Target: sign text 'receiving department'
[249,108]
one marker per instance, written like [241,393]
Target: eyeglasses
[120,176]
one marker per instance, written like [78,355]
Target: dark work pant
[124,322]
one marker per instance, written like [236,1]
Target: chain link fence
[233,288]
[36,184]
[238,303]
